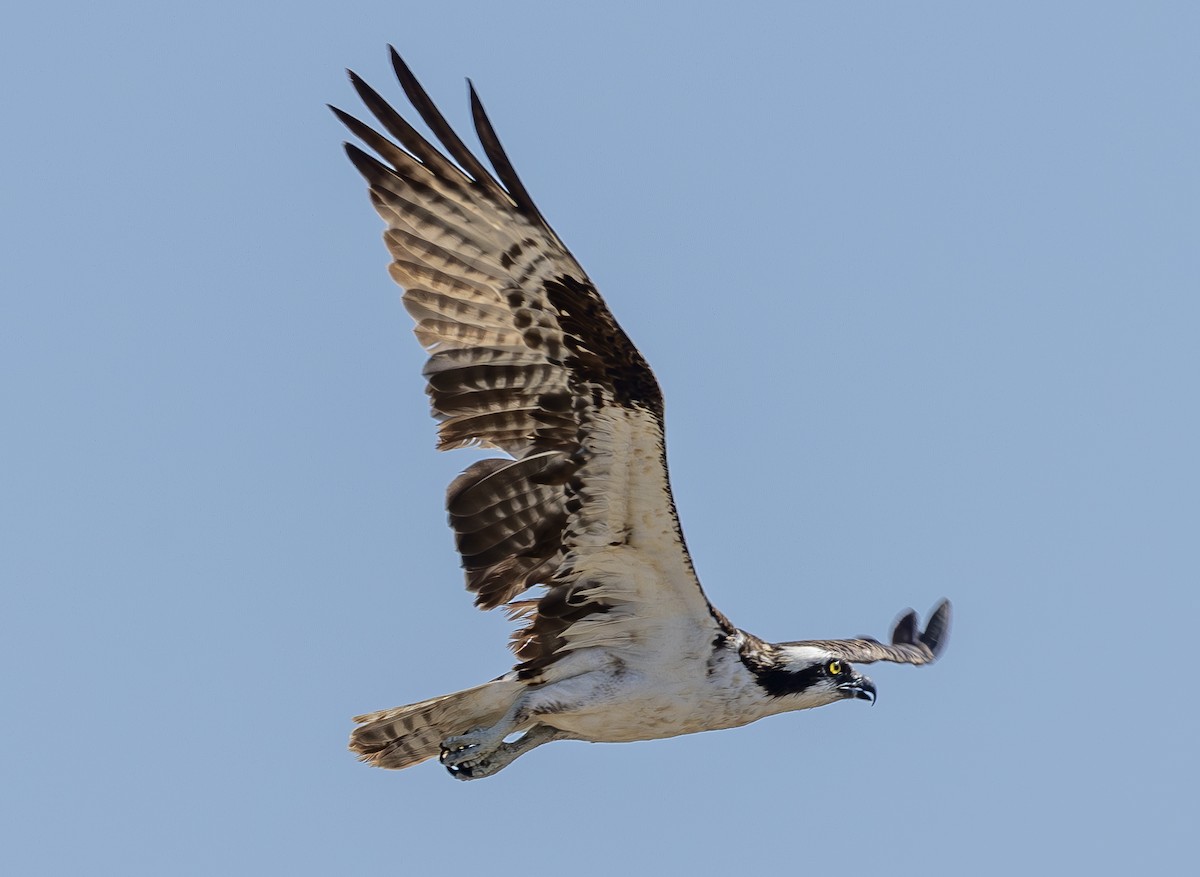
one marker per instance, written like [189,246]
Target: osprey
[575,531]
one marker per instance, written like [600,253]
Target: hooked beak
[860,688]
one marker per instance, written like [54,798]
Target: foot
[469,760]
[473,768]
[466,760]
[466,752]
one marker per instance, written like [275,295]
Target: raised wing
[909,645]
[525,357]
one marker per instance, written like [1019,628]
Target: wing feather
[526,357]
[493,149]
[909,644]
[437,123]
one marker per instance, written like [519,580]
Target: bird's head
[809,676]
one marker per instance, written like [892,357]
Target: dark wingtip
[938,627]
[358,82]
[367,165]
[905,630]
[403,73]
[341,114]
[368,95]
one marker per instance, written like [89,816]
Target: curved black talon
[466,772]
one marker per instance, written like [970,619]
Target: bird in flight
[574,531]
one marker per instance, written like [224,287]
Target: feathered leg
[408,735]
[485,744]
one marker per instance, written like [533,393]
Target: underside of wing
[525,357]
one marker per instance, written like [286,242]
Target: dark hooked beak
[860,688]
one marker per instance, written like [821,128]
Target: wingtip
[478,113]
[403,72]
[904,631]
[935,634]
[366,164]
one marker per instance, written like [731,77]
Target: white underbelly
[653,713]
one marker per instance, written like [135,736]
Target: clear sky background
[921,284]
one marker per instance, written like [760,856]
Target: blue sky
[921,284]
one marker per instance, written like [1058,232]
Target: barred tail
[408,735]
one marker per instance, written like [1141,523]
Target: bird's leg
[478,743]
[595,683]
[475,763]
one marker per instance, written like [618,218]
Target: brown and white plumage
[618,641]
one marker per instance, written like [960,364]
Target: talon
[469,770]
[458,754]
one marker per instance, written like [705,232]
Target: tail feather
[408,735]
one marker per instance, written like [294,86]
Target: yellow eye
[835,667]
